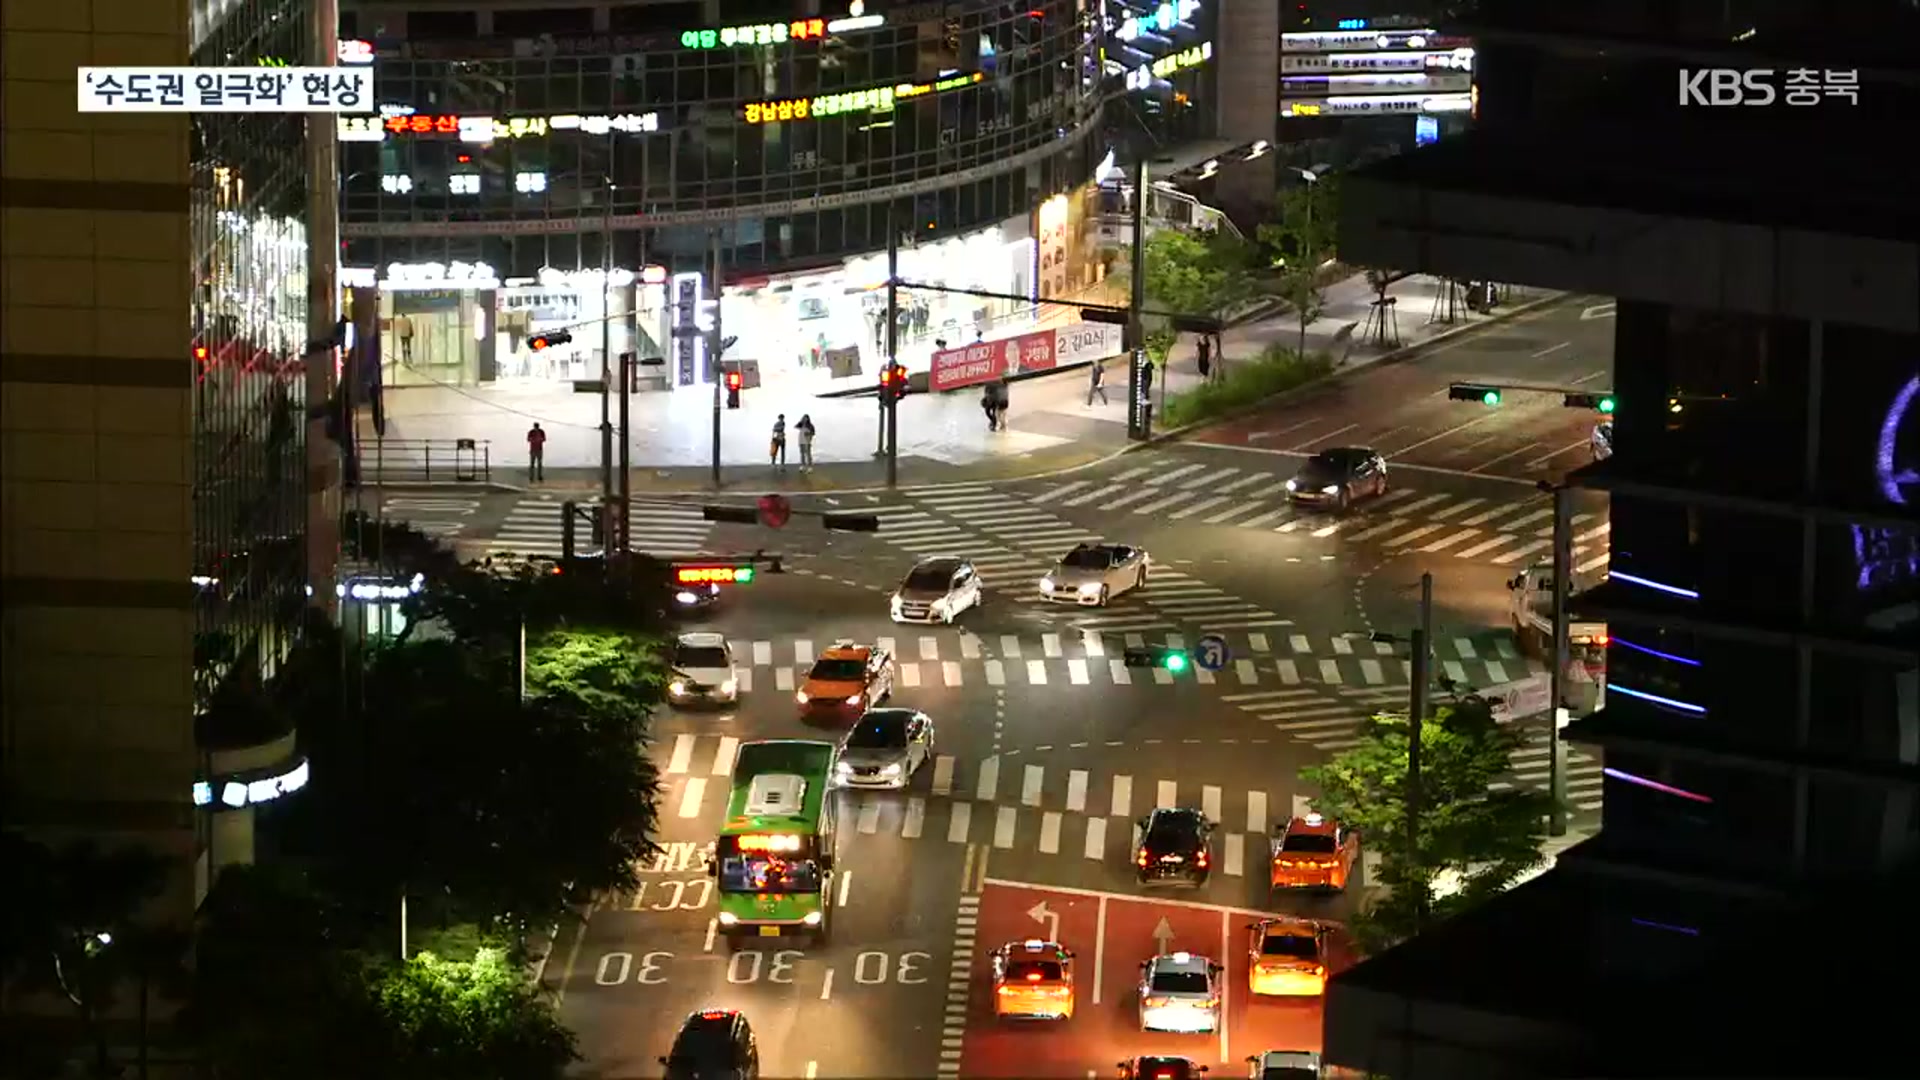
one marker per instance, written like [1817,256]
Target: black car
[1339,477]
[1160,1067]
[1174,848]
[714,1044]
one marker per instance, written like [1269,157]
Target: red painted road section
[1110,934]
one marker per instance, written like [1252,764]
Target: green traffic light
[742,575]
[1606,405]
[1491,397]
[1176,662]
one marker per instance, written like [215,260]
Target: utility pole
[714,366]
[1556,679]
[606,342]
[626,450]
[1136,335]
[889,404]
[1416,721]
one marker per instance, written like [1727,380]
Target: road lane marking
[1524,549]
[1289,672]
[763,654]
[783,679]
[1257,813]
[1121,804]
[1166,795]
[682,756]
[1096,846]
[846,886]
[1497,672]
[943,774]
[1030,780]
[869,819]
[1099,948]
[916,820]
[1329,671]
[713,932]
[691,795]
[723,757]
[826,990]
[802,652]
[1409,537]
[1077,790]
[1003,822]
[1498,541]
[1551,349]
[1459,507]
[950,672]
[1246,672]
[1226,987]
[1037,672]
[910,675]
[1343,645]
[1370,671]
[987,785]
[996,673]
[958,825]
[1321,437]
[969,646]
[1118,670]
[1077,672]
[1010,646]
[1210,802]
[1050,644]
[1050,833]
[1236,855]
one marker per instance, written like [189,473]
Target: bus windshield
[754,872]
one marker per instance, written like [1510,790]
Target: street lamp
[1311,258]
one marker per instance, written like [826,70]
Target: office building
[1752,880]
[159,479]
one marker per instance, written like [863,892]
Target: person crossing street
[777,446]
[1098,383]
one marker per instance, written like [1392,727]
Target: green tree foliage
[1192,273]
[467,1019]
[1298,242]
[1477,840]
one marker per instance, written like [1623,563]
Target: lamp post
[1311,258]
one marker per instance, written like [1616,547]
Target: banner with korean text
[1041,350]
[236,89]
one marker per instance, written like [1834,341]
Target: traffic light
[893,382]
[713,574]
[1156,656]
[899,382]
[738,515]
[1485,395]
[851,522]
[1597,402]
[548,340]
[733,389]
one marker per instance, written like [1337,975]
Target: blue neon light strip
[1653,652]
[1649,583]
[1698,710]
[1668,927]
[1655,785]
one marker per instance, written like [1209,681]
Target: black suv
[1174,848]
[714,1044]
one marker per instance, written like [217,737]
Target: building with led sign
[788,137]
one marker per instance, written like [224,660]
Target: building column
[323,316]
[486,320]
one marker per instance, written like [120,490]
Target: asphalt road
[1403,410]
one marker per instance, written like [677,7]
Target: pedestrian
[990,405]
[1000,402]
[1098,385]
[777,447]
[1206,360]
[403,329]
[805,430]
[536,454]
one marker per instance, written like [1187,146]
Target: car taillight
[1202,860]
[1143,857]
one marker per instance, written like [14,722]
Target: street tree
[1472,842]
[1299,242]
[474,1019]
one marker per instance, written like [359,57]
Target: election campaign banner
[985,361]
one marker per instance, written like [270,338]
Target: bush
[1277,370]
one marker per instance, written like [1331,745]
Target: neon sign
[1162,20]
[874,99]
[1887,555]
[1142,77]
[721,575]
[234,793]
[764,34]
[768,843]
[486,129]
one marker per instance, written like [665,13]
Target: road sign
[1211,652]
[774,510]
[1519,699]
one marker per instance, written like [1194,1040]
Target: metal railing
[425,461]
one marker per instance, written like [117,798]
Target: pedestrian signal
[1485,395]
[1156,656]
[1602,403]
[733,389]
[548,340]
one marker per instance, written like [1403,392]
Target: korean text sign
[984,361]
[232,90]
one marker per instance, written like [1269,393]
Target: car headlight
[686,597]
[728,918]
[854,700]
[1090,589]
[676,688]
[895,601]
[891,770]
[843,768]
[1293,485]
[811,918]
[1330,489]
[800,696]
[729,687]
[1046,584]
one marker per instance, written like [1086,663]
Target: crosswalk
[1013,803]
[533,527]
[1013,545]
[943,656]
[1504,531]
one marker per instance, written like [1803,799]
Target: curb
[1406,352]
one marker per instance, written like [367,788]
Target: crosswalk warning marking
[1455,670]
[1448,541]
[1299,643]
[1383,648]
[1054,494]
[1500,540]
[929,648]
[763,654]
[723,758]
[1031,779]
[1371,672]
[915,821]
[1246,671]
[1077,672]
[987,782]
[1120,803]
[1093,643]
[1235,863]
[1050,833]
[960,823]
[1166,793]
[691,795]
[1327,530]
[1602,529]
[1203,676]
[1233,511]
[783,679]
[1004,820]
[1481,518]
[1386,526]
[1342,646]
[1257,642]
[1496,671]
[1289,671]
[744,677]
[887,645]
[950,672]
[1162,677]
[1329,671]
[1096,493]
[1096,846]
[969,646]
[1203,504]
[1246,482]
[1050,644]
[1409,537]
[1134,641]
[682,756]
[1593,564]
[1407,508]
[1505,649]
[1523,550]
[910,675]
[1271,516]
[1210,802]
[1460,507]
[1130,474]
[1257,813]
[996,673]
[1176,641]
[802,652]
[1464,646]
[943,774]
[869,820]
[1010,646]
[1169,477]
[1158,505]
[1520,522]
[1037,672]
[1077,790]
[1117,670]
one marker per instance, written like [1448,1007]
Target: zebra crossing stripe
[1233,512]
[1097,493]
[1194,508]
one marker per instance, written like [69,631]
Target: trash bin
[466,460]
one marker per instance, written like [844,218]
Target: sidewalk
[943,438]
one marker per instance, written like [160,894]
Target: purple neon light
[1617,640]
[1655,785]
[1668,927]
[1892,482]
[1649,583]
[1671,703]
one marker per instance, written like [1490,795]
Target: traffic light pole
[714,367]
[1136,332]
[1416,724]
[1556,679]
[890,400]
[626,451]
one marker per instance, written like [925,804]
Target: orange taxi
[845,681]
[1032,980]
[1314,852]
[1287,958]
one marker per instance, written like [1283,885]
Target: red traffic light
[733,380]
[546,341]
[886,375]
[713,575]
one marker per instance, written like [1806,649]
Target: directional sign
[1046,917]
[1211,652]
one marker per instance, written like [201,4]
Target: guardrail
[426,461]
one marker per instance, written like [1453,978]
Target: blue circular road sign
[1212,653]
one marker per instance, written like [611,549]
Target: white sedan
[1091,575]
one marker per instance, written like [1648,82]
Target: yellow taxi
[1314,852]
[1032,980]
[1287,958]
[846,680]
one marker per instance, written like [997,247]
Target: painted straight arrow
[1163,935]
[1046,917]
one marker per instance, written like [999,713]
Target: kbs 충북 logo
[1752,87]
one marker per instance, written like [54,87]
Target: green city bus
[773,861]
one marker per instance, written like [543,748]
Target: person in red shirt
[536,454]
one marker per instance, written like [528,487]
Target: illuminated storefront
[1162,53]
[1420,81]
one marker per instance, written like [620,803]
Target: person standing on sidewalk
[1002,400]
[536,454]
[1205,359]
[990,404]
[777,446]
[1098,383]
[805,430]
[403,329]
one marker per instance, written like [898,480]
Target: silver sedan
[1092,574]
